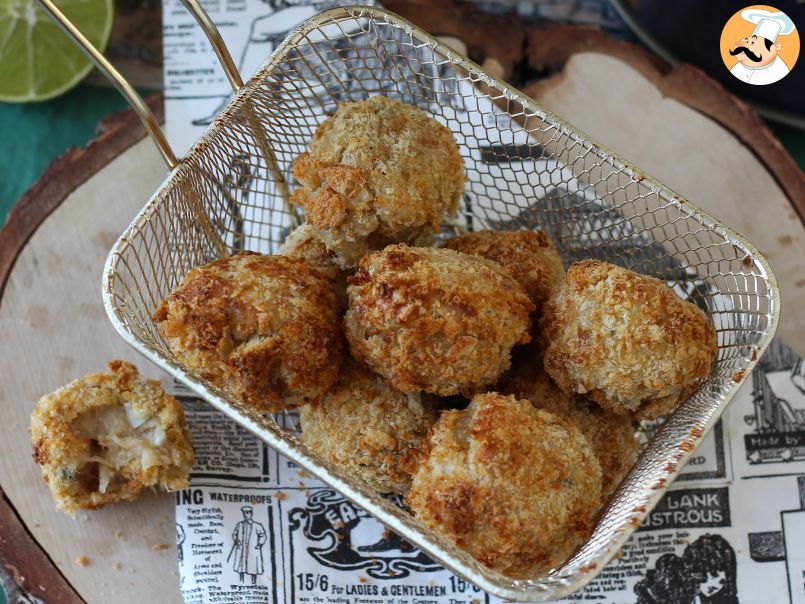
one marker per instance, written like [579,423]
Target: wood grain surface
[135,47]
[116,133]
[55,330]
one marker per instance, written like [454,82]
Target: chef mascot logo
[342,536]
[760,45]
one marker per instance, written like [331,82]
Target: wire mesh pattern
[526,169]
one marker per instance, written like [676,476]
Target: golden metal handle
[127,90]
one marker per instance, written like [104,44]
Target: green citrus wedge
[37,60]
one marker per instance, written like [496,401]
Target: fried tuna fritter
[379,171]
[528,256]
[434,319]
[369,429]
[515,486]
[613,437]
[625,340]
[264,328]
[303,243]
[106,437]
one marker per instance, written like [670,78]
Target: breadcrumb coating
[515,486]
[369,429]
[378,171]
[435,319]
[264,328]
[106,437]
[625,340]
[303,243]
[613,437]
[528,256]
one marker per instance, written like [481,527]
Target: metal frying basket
[526,168]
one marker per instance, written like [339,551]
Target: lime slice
[37,60]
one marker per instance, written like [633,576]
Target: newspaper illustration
[196,88]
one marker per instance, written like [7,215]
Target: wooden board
[693,155]
[54,330]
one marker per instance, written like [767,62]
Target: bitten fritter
[515,486]
[303,243]
[613,437]
[379,171]
[264,328]
[528,256]
[625,340]
[369,429]
[434,319]
[106,437]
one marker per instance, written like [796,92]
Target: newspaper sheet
[255,528]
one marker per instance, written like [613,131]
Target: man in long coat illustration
[247,549]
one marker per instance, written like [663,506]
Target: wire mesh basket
[526,169]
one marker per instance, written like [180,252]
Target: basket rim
[435,546]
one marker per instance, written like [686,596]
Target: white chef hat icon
[768,24]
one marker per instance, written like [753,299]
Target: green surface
[41,61]
[793,140]
[35,134]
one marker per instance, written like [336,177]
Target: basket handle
[127,90]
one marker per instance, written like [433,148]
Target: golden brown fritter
[434,319]
[369,429]
[528,256]
[379,171]
[106,437]
[625,340]
[303,243]
[515,486]
[613,437]
[264,328]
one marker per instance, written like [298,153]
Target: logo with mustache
[750,55]
[759,45]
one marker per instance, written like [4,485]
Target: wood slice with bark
[55,329]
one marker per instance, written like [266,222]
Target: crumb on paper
[36,525]
[280,496]
[303,474]
[363,579]
[159,546]
[116,565]
[119,534]
[82,560]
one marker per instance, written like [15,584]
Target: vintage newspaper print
[196,88]
[254,527]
